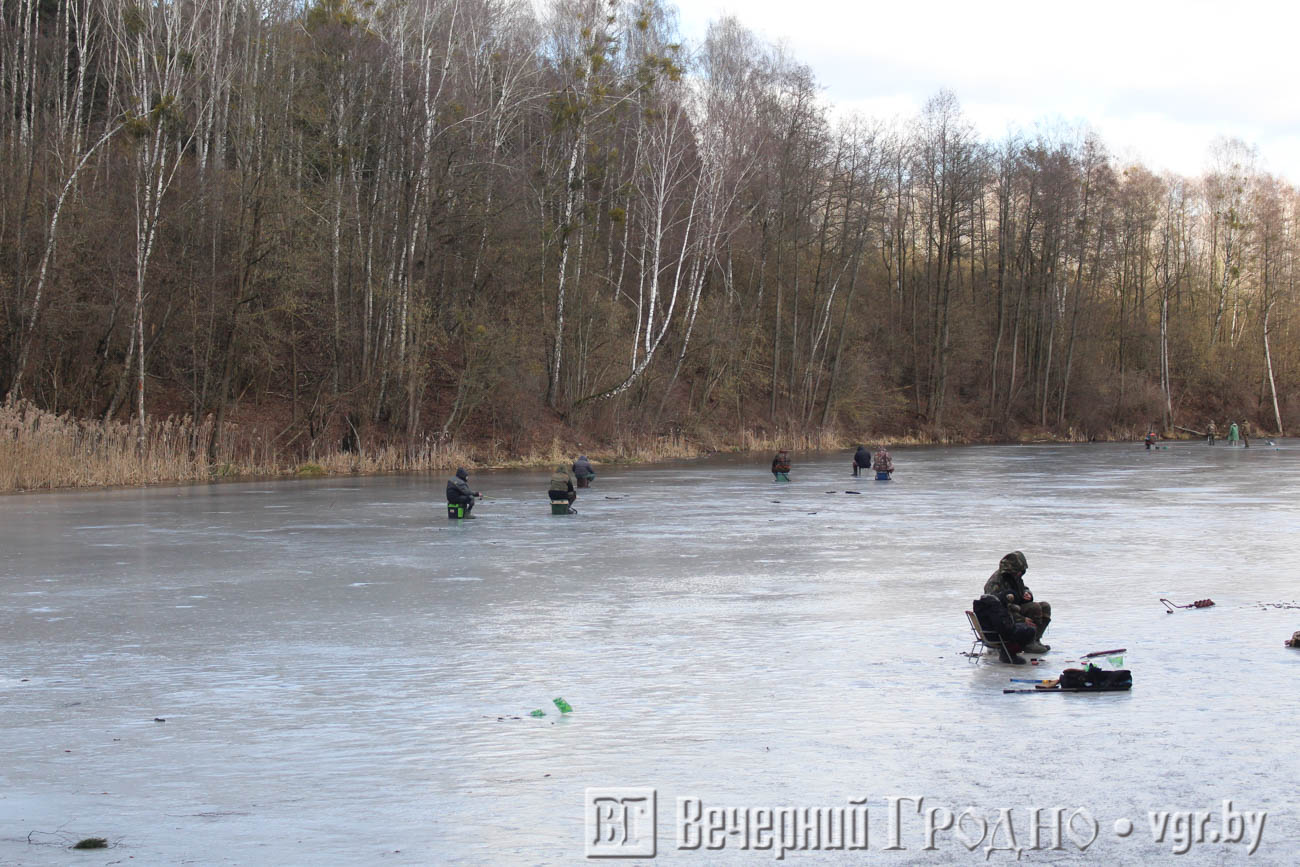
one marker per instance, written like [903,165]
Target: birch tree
[1173,262]
[1227,190]
[1276,250]
[161,45]
[61,73]
[723,104]
[949,171]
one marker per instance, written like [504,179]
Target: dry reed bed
[40,450]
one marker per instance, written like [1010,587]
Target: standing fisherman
[1211,432]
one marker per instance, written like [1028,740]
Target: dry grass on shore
[41,451]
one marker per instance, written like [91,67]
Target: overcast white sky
[1158,80]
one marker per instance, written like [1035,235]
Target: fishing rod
[1067,689]
[1199,603]
[1104,653]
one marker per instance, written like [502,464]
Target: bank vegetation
[247,236]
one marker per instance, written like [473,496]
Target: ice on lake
[346,676]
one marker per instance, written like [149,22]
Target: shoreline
[347,465]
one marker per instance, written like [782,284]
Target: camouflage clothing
[1009,581]
[883,463]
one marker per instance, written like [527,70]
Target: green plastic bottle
[537,713]
[562,704]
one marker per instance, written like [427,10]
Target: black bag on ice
[1096,678]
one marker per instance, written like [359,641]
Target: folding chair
[989,640]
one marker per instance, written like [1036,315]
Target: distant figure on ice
[1233,434]
[583,472]
[994,616]
[1008,585]
[458,492]
[883,464]
[1211,432]
[561,487]
[861,460]
[1151,438]
[781,466]
[1245,434]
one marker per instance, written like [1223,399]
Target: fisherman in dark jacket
[1008,585]
[861,459]
[458,491]
[994,617]
[583,472]
[561,486]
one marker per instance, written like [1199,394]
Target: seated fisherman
[883,463]
[561,486]
[458,491]
[861,459]
[781,466]
[583,472]
[994,617]
[1008,585]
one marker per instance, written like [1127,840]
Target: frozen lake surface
[346,676]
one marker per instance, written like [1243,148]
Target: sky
[1158,81]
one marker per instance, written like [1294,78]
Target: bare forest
[254,235]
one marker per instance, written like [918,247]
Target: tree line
[443,220]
